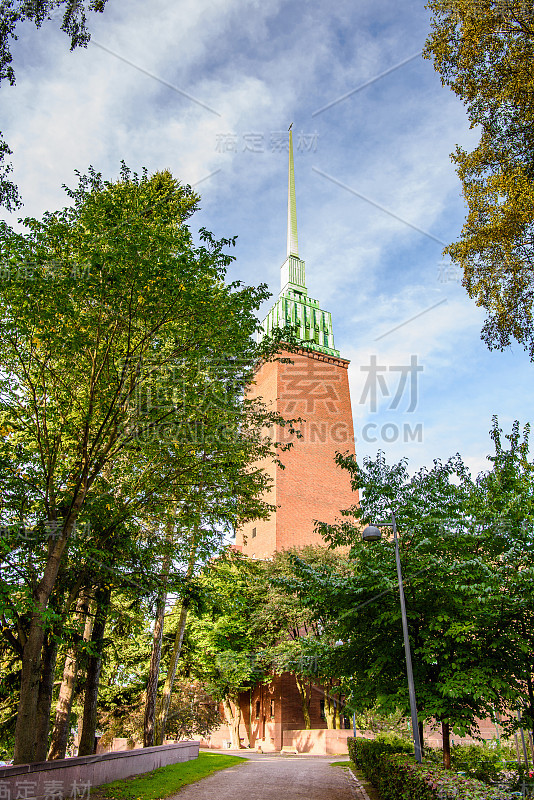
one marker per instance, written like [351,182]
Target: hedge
[391,767]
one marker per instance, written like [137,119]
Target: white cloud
[261,66]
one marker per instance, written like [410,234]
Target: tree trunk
[421,737]
[60,734]
[446,734]
[24,752]
[329,709]
[530,689]
[304,687]
[177,649]
[153,673]
[44,702]
[171,673]
[232,713]
[86,744]
[341,713]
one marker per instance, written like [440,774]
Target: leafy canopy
[484,51]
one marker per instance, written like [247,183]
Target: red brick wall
[268,730]
[311,487]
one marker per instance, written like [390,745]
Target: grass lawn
[165,781]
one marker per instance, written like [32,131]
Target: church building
[315,388]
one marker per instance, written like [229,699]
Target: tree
[507,492]
[457,565]
[60,733]
[126,653]
[225,646]
[292,631]
[484,51]
[115,326]
[92,674]
[149,723]
[12,13]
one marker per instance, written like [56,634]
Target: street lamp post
[370,534]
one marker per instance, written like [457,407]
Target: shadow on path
[271,776]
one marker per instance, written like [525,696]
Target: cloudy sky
[208,89]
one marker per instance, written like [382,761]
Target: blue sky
[377,195]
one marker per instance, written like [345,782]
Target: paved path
[274,777]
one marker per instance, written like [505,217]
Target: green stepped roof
[293,306]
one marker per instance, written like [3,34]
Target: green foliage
[374,721]
[124,361]
[367,754]
[222,640]
[484,762]
[395,740]
[397,775]
[166,781]
[484,51]
[467,553]
[192,713]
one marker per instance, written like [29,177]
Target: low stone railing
[74,777]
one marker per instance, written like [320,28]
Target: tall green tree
[115,325]
[293,632]
[462,566]
[506,506]
[484,51]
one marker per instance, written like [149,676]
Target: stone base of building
[313,742]
[323,741]
[317,743]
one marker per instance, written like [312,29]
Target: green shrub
[397,776]
[481,761]
[396,741]
[367,754]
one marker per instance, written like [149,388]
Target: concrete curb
[359,788]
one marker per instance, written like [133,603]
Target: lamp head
[371,534]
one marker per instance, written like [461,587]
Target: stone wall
[317,742]
[74,777]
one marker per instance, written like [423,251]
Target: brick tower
[315,388]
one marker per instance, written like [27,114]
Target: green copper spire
[292,238]
[293,269]
[294,307]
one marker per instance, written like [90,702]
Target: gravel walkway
[274,777]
